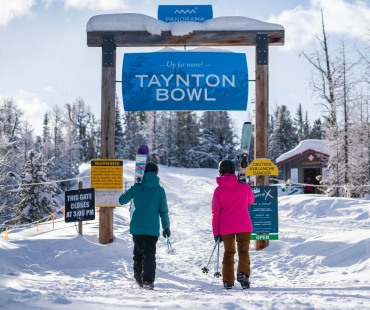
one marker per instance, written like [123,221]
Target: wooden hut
[305,162]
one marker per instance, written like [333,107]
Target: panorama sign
[185,81]
[185,13]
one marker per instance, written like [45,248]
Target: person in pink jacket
[231,222]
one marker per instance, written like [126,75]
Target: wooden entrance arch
[109,40]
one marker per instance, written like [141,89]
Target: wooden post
[80,222]
[262,112]
[108,96]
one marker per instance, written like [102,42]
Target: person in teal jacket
[150,205]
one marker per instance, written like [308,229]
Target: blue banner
[185,13]
[185,81]
[264,211]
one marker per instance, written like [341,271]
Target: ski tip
[143,149]
[246,123]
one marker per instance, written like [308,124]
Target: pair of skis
[141,159]
[243,164]
[244,151]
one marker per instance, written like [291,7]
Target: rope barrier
[48,182]
[50,216]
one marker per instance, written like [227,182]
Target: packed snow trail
[320,262]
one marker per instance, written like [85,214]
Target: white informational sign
[294,175]
[325,174]
[107,198]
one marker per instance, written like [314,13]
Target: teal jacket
[150,205]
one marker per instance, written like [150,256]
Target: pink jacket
[230,206]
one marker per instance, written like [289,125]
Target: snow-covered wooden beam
[130,30]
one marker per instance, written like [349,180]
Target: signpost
[264,213]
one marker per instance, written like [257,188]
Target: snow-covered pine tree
[36,201]
[218,138]
[165,137]
[7,199]
[157,135]
[118,133]
[133,133]
[283,137]
[306,127]
[186,140]
[46,137]
[316,130]
[298,123]
[11,153]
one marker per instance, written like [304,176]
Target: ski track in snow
[320,262]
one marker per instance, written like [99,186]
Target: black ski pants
[144,257]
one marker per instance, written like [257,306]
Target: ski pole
[170,249]
[206,269]
[217,273]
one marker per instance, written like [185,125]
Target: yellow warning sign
[107,179]
[107,173]
[262,166]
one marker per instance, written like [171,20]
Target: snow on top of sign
[140,22]
[321,146]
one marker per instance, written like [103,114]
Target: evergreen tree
[186,140]
[316,130]
[118,133]
[306,128]
[46,137]
[133,133]
[283,137]
[165,138]
[36,201]
[217,138]
[299,123]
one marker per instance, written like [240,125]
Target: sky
[45,61]
[321,260]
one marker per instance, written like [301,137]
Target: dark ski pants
[144,257]
[242,241]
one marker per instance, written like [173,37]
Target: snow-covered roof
[319,146]
[141,22]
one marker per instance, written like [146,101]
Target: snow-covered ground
[322,260]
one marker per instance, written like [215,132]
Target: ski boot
[228,286]
[148,285]
[139,280]
[243,279]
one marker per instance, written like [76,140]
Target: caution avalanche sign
[262,166]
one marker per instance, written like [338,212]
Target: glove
[217,238]
[166,233]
